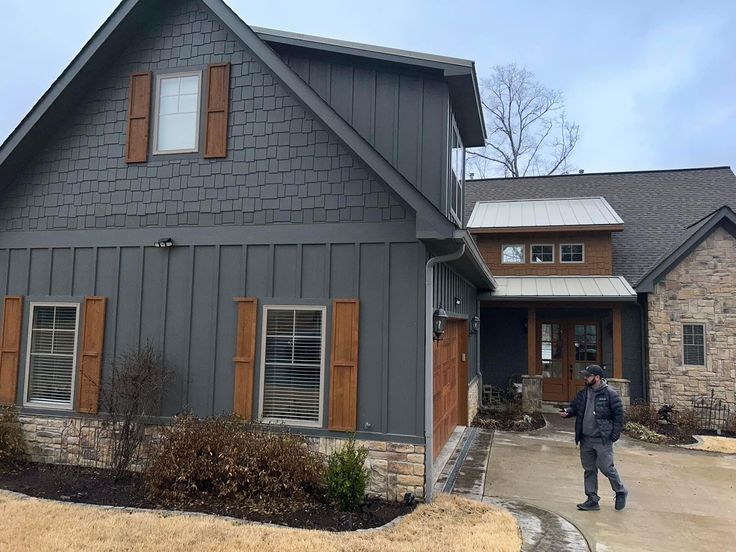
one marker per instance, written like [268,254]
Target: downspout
[429,367]
[644,333]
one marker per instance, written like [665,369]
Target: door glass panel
[586,342]
[551,347]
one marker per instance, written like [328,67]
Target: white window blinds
[177,122]
[293,362]
[52,354]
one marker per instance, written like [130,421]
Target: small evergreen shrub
[225,458]
[347,478]
[643,433]
[12,445]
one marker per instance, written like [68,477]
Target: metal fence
[712,413]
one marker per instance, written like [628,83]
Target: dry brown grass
[712,443]
[450,523]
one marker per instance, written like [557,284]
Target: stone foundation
[700,290]
[395,468]
[473,399]
[531,393]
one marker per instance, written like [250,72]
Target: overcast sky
[652,84]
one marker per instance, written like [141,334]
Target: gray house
[280,214]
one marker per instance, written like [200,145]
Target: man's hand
[563,412]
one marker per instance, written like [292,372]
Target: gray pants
[594,456]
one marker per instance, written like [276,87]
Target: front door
[566,348]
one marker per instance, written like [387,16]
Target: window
[512,254]
[693,344]
[177,113]
[543,254]
[457,173]
[52,353]
[293,362]
[571,253]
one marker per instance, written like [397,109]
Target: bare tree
[528,131]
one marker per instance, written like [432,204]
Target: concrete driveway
[679,500]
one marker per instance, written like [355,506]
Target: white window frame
[161,77]
[523,253]
[705,349]
[264,325]
[42,404]
[460,199]
[531,253]
[582,246]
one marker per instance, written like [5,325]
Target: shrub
[346,477]
[644,415]
[130,394]
[643,433]
[686,424]
[225,458]
[12,445]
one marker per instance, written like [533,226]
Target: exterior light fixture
[474,325]
[164,242]
[439,319]
[457,301]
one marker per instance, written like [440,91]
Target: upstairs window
[51,358]
[457,173]
[512,254]
[571,253]
[543,253]
[176,123]
[693,344]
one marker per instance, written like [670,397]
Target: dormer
[546,237]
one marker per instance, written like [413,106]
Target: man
[599,417]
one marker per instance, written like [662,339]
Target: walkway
[679,500]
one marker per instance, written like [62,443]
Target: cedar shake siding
[281,164]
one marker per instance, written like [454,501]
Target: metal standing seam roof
[602,288]
[577,211]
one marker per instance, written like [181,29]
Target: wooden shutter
[10,347]
[245,354]
[344,365]
[218,95]
[139,109]
[90,362]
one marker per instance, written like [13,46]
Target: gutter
[429,368]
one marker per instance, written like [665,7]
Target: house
[279,214]
[632,270]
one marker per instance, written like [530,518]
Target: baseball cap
[592,370]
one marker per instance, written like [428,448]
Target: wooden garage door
[447,360]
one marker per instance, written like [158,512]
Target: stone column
[623,388]
[531,393]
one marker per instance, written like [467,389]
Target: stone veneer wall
[473,399]
[700,290]
[395,468]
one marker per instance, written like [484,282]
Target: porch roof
[561,288]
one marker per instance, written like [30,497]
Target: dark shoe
[589,505]
[621,500]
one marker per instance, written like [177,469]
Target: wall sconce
[164,242]
[457,301]
[474,325]
[439,319]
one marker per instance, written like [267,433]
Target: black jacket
[609,413]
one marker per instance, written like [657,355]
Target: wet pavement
[679,500]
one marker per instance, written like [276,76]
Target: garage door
[448,361]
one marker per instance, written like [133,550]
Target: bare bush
[12,445]
[131,394]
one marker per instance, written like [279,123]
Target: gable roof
[544,213]
[657,206]
[458,73]
[113,34]
[689,240]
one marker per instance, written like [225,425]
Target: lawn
[450,523]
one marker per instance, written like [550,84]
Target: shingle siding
[282,166]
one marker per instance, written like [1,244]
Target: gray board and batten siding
[77,221]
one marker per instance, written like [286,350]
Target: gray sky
[652,83]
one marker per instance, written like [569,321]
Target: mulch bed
[508,420]
[95,486]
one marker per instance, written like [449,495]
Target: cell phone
[563,410]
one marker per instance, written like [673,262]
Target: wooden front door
[447,363]
[566,347]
